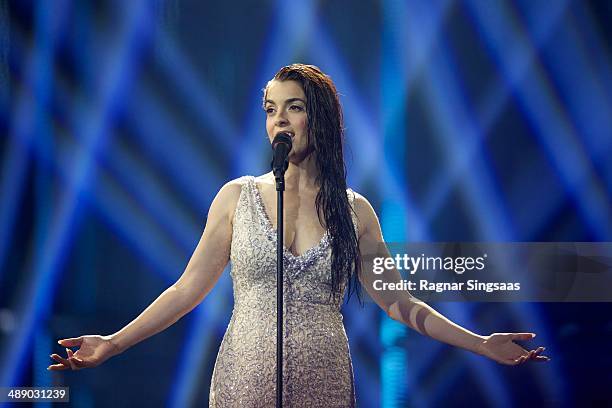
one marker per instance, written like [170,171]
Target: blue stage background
[465,121]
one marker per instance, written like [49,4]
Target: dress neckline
[265,218]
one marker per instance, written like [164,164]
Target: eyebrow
[287,101]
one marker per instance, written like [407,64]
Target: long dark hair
[326,136]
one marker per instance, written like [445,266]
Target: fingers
[524,357]
[72,362]
[63,361]
[519,360]
[73,356]
[57,367]
[71,342]
[537,357]
[522,336]
[532,355]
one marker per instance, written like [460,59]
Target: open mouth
[291,134]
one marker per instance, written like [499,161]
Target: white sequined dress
[317,368]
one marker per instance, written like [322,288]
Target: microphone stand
[281,146]
[280,189]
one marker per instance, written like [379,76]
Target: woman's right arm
[200,276]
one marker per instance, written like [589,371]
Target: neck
[302,175]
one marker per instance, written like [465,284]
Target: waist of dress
[268,305]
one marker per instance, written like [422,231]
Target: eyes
[295,108]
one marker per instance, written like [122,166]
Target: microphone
[281,145]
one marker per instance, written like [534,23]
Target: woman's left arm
[407,309]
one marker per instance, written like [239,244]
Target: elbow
[402,309]
[392,311]
[186,296]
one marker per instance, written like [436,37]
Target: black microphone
[281,145]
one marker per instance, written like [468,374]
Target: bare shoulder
[366,215]
[267,178]
[231,190]
[363,208]
[226,200]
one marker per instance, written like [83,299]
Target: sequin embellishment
[317,367]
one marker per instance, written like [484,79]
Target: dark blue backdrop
[466,121]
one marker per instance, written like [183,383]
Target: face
[285,107]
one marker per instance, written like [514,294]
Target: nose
[281,120]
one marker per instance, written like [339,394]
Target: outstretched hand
[93,351]
[502,348]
